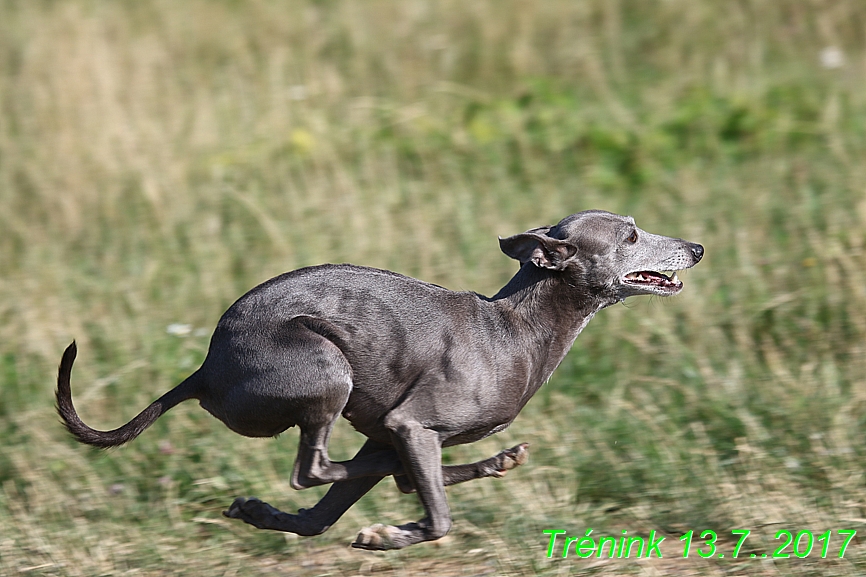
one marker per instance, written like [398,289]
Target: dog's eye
[633,238]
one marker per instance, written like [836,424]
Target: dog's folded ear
[539,249]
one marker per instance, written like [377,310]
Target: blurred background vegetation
[159,158]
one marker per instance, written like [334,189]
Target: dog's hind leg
[343,494]
[310,387]
[496,466]
[312,466]
[320,518]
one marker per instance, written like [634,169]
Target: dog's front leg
[420,451]
[496,466]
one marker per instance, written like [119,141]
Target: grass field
[159,158]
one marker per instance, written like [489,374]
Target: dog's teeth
[674,278]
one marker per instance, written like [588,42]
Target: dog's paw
[511,458]
[253,511]
[233,512]
[380,537]
[374,538]
[236,509]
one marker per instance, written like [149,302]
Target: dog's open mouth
[655,281]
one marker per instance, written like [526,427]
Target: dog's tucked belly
[452,432]
[380,434]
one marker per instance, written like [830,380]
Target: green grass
[158,159]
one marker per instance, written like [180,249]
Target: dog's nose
[698,251]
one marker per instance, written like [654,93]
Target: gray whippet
[411,365]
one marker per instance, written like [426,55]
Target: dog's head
[606,253]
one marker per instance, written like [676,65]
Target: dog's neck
[554,309]
[535,291]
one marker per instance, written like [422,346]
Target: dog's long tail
[104,439]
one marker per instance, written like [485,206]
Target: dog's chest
[473,435]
